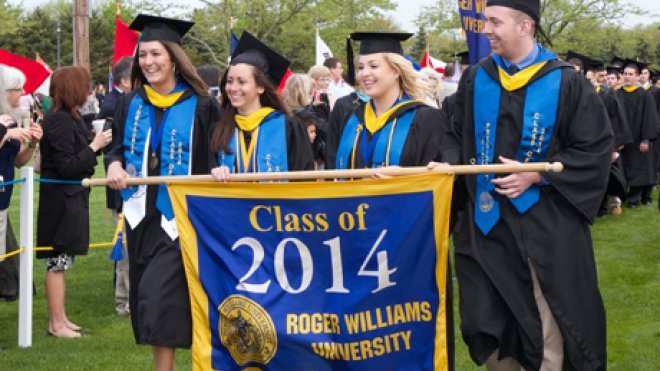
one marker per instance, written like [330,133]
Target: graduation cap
[613,70]
[572,56]
[630,63]
[252,51]
[154,28]
[380,42]
[373,42]
[617,62]
[463,57]
[655,76]
[596,65]
[530,7]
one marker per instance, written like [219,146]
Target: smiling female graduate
[254,134]
[161,128]
[394,127]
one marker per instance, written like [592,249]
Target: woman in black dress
[161,128]
[67,153]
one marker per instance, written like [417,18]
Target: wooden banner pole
[343,174]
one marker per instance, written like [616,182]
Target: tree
[558,15]
[419,47]
[287,25]
[643,49]
[10,20]
[38,33]
[442,17]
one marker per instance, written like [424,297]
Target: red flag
[125,39]
[426,61]
[286,76]
[35,74]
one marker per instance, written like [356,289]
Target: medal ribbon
[156,130]
[247,152]
[266,152]
[368,147]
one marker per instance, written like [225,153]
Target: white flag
[322,51]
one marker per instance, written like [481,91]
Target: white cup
[25,118]
[98,125]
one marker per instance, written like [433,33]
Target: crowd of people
[529,295]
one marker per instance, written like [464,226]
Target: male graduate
[648,80]
[524,258]
[616,185]
[620,128]
[639,157]
[121,77]
[612,78]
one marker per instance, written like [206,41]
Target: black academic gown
[617,184]
[497,305]
[298,148]
[159,299]
[428,132]
[339,116]
[617,115]
[113,199]
[642,114]
[655,92]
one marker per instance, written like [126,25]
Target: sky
[407,11]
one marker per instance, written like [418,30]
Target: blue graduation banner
[317,275]
[473,21]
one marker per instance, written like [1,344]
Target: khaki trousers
[553,344]
[121,276]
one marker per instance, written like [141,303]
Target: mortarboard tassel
[117,252]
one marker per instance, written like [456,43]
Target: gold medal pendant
[153,161]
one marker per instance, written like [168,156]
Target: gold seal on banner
[247,330]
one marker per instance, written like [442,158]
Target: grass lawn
[627,252]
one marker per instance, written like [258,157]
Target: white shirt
[339,89]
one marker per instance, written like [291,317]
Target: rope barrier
[15,181]
[42,180]
[50,248]
[9,255]
[97,245]
[58,181]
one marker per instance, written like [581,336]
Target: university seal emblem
[247,330]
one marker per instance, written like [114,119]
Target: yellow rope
[91,246]
[9,255]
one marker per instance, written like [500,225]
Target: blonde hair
[298,91]
[317,72]
[409,82]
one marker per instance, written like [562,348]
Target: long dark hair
[225,128]
[184,68]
